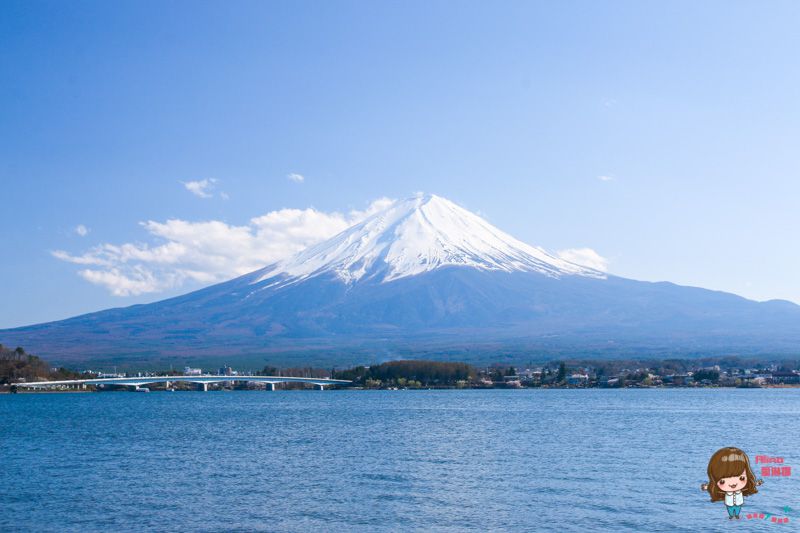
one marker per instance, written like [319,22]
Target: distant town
[18,367]
[645,376]
[731,372]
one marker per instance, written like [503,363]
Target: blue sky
[113,114]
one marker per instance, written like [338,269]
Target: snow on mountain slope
[417,235]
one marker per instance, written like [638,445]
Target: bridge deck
[147,380]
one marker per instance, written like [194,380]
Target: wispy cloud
[81,230]
[585,257]
[605,178]
[208,251]
[200,188]
[136,280]
[297,178]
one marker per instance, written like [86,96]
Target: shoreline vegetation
[18,366]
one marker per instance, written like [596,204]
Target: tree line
[410,373]
[16,364]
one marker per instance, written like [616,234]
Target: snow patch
[418,235]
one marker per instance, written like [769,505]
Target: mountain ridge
[423,277]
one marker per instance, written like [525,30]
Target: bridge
[202,381]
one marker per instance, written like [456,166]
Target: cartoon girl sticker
[730,478]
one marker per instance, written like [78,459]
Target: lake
[482,460]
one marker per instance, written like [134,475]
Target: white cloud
[586,257]
[85,259]
[136,280]
[208,251]
[201,188]
[297,178]
[605,178]
[81,230]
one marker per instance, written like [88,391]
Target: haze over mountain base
[424,278]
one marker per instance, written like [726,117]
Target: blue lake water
[517,460]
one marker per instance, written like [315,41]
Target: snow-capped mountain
[418,235]
[423,278]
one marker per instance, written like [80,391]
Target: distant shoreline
[6,390]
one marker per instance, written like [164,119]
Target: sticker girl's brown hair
[729,462]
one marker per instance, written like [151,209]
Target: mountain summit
[422,278]
[419,235]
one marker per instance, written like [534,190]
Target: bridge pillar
[203,387]
[269,386]
[167,385]
[319,387]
